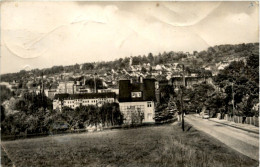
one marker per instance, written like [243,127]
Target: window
[136,94]
[131,107]
[149,104]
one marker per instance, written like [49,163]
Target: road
[244,142]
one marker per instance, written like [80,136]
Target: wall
[127,107]
[246,120]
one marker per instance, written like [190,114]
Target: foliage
[198,97]
[5,94]
[245,81]
[164,109]
[36,116]
[166,93]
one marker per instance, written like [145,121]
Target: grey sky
[43,34]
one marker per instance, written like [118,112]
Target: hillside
[209,59]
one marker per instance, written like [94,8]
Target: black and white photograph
[129,83]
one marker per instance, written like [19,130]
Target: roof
[189,78]
[85,95]
[147,88]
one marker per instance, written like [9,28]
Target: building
[76,100]
[115,90]
[138,99]
[82,88]
[66,87]
[188,81]
[51,93]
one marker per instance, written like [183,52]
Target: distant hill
[209,57]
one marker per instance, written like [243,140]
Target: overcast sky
[44,34]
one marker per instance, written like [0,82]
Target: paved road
[244,142]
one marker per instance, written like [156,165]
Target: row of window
[89,101]
[132,107]
[149,104]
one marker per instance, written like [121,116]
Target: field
[164,145]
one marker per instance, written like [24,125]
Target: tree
[6,93]
[151,58]
[143,70]
[199,95]
[2,113]
[245,80]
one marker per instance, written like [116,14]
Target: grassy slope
[163,145]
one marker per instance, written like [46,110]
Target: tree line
[236,90]
[211,55]
[33,114]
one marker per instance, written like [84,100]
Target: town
[132,84]
[140,85]
[85,98]
[158,91]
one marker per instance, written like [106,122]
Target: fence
[243,120]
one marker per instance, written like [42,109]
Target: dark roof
[189,78]
[85,95]
[147,88]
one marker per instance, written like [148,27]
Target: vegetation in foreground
[164,145]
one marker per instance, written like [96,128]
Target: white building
[66,87]
[138,100]
[76,100]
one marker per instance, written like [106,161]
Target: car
[205,115]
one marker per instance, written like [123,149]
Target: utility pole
[42,88]
[95,86]
[182,89]
[233,102]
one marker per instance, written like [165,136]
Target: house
[66,87]
[138,100]
[222,65]
[158,67]
[76,100]
[189,81]
[208,68]
[114,89]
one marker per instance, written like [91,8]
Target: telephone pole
[233,102]
[95,85]
[182,89]
[42,90]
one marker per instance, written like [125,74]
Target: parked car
[205,115]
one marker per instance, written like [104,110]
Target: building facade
[137,100]
[66,87]
[75,100]
[188,82]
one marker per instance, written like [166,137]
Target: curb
[252,131]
